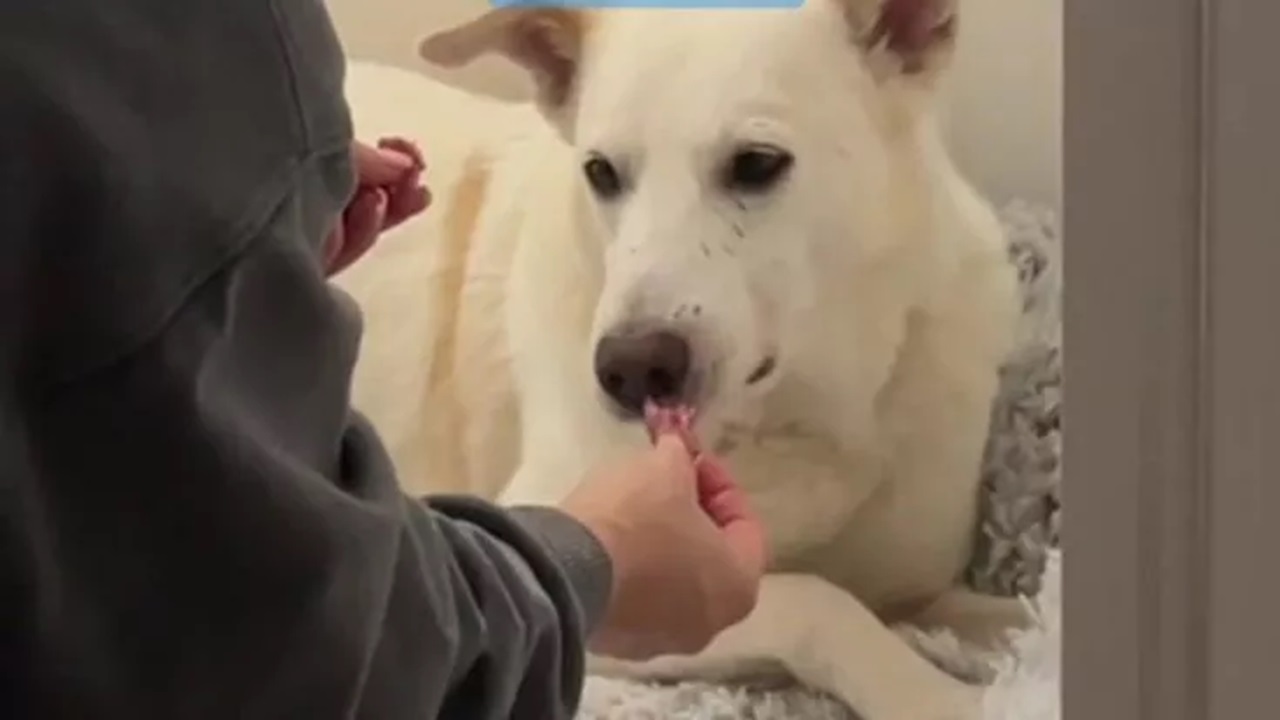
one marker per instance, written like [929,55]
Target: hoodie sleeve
[195,522]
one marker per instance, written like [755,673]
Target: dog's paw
[964,702]
[684,668]
[614,668]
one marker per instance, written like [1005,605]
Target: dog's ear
[545,41]
[913,38]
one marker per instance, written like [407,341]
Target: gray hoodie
[195,522]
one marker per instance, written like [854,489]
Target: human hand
[687,552]
[388,191]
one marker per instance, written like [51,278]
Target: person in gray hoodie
[195,522]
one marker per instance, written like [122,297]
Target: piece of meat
[678,419]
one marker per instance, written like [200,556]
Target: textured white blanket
[1026,685]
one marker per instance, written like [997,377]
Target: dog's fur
[873,274]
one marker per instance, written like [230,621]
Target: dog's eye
[757,168]
[603,177]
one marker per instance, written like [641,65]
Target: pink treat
[677,419]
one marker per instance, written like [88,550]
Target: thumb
[675,462]
[671,448]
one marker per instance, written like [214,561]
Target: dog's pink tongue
[676,419]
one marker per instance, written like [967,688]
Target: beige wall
[1006,111]
[389,30]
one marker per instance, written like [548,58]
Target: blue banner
[705,4]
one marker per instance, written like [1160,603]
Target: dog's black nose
[632,368]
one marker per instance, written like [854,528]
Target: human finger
[361,223]
[380,166]
[675,463]
[406,199]
[724,501]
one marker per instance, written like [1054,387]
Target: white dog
[750,211]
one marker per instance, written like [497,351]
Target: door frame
[1172,348]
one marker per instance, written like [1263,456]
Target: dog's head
[735,161]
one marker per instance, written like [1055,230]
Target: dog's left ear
[913,38]
[545,41]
